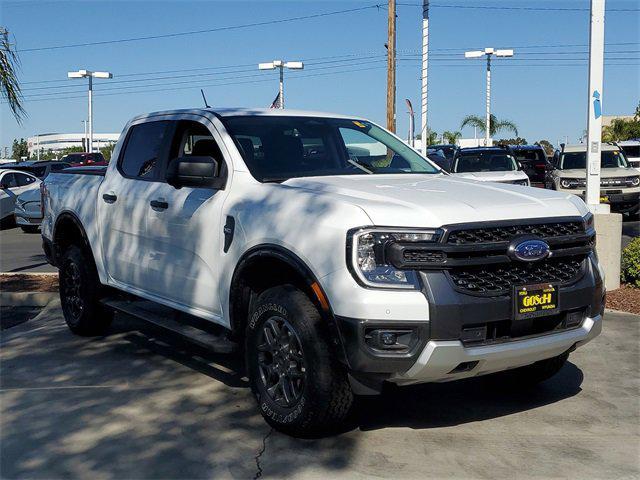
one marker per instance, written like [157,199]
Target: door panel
[185,237]
[123,202]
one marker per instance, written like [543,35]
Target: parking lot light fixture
[90,75]
[281,65]
[488,52]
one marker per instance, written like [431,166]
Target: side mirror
[193,171]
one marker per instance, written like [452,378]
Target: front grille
[472,236]
[498,279]
[423,256]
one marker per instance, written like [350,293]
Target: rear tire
[300,386]
[80,293]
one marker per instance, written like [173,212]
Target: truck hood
[414,200]
[604,173]
[510,176]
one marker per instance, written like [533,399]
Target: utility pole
[425,77]
[594,118]
[488,52]
[391,68]
[281,65]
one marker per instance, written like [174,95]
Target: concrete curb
[27,299]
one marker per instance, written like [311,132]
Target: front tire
[80,292]
[300,386]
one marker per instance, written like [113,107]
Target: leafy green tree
[19,149]
[495,125]
[9,86]
[547,145]
[513,141]
[451,137]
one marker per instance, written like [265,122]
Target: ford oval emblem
[529,250]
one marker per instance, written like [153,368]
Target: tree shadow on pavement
[130,405]
[448,404]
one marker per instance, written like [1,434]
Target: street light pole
[487,122]
[594,117]
[90,75]
[84,139]
[425,78]
[488,52]
[281,65]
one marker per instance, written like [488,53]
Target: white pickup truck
[334,256]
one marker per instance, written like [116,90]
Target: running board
[195,330]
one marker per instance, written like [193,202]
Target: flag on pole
[277,102]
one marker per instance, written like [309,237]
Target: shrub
[630,271]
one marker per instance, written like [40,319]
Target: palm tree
[451,137]
[616,131]
[495,125]
[8,78]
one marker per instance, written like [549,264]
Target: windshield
[484,162]
[631,150]
[608,159]
[278,148]
[528,155]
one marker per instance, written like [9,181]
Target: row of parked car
[20,186]
[565,171]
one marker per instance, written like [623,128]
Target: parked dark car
[39,169]
[442,155]
[534,162]
[85,158]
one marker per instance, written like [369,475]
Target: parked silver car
[28,211]
[12,184]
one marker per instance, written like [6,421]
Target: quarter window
[144,147]
[23,179]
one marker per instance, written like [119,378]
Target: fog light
[388,338]
[391,340]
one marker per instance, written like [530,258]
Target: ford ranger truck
[335,257]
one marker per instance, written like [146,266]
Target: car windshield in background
[484,162]
[529,155]
[608,159]
[277,148]
[631,150]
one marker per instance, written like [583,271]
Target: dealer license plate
[535,301]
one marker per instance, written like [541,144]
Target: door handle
[109,197]
[159,204]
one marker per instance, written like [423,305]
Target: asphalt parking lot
[22,252]
[133,405]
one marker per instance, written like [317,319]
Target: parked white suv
[619,182]
[489,164]
[331,253]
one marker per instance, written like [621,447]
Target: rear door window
[143,152]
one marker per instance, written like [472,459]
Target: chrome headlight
[633,181]
[572,182]
[366,254]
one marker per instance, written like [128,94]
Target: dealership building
[59,141]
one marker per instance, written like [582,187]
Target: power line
[503,7]
[198,32]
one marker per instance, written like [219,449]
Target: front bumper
[440,360]
[444,348]
[625,202]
